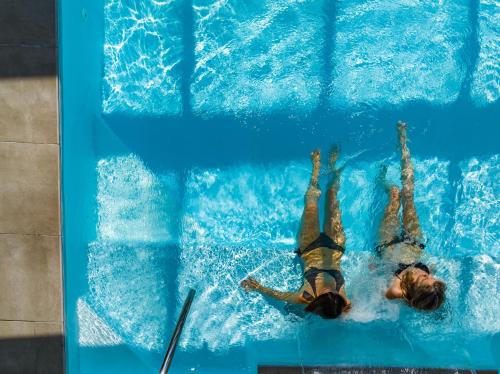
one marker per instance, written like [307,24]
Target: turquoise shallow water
[186,129]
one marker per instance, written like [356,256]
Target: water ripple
[256,57]
[486,80]
[135,204]
[142,53]
[390,52]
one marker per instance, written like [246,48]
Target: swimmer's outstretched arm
[250,284]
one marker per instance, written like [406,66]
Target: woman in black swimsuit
[412,281]
[323,290]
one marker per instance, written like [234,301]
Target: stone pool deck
[31,327]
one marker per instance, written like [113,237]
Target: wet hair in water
[422,297]
[329,305]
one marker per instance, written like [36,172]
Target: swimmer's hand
[348,308]
[250,284]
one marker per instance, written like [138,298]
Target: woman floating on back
[412,281]
[323,290]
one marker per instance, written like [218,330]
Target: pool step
[361,370]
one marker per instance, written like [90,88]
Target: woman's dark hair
[328,305]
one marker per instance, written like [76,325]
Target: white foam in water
[245,206]
[450,318]
[133,203]
[477,227]
[362,206]
[223,315]
[357,196]
[142,54]
[128,290]
[483,302]
[432,193]
[256,57]
[243,220]
[486,80]
[388,52]
[238,222]
[362,203]
[92,330]
[366,289]
[137,215]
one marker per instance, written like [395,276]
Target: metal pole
[177,332]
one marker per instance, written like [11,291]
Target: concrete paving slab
[31,292]
[29,192]
[29,110]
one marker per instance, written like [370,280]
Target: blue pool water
[186,129]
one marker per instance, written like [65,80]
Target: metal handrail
[177,332]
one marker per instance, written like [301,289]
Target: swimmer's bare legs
[390,226]
[309,228]
[411,223]
[333,222]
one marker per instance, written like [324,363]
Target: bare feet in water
[402,132]
[334,155]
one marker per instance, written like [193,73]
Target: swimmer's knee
[395,192]
[313,194]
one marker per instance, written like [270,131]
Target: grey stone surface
[31,292]
[29,110]
[23,61]
[29,192]
[27,22]
[30,347]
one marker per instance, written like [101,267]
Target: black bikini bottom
[322,240]
[403,238]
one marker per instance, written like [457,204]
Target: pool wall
[185,143]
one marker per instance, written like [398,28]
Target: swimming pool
[186,129]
